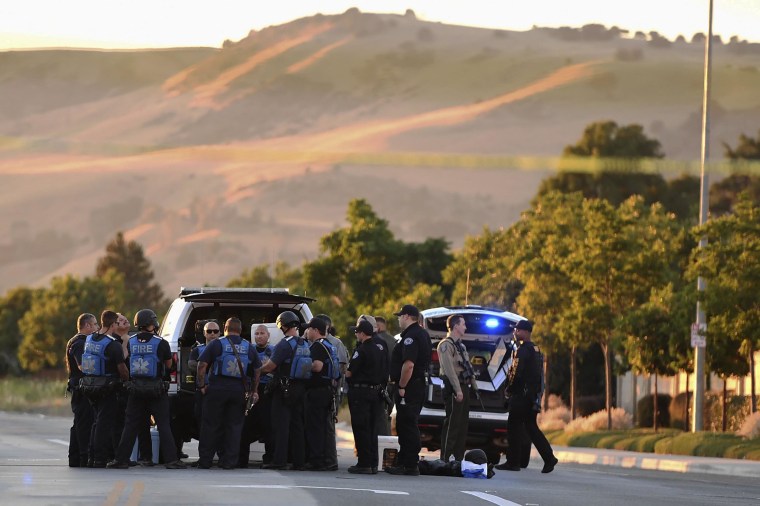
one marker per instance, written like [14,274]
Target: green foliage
[747,148]
[605,139]
[730,264]
[12,307]
[51,320]
[129,261]
[260,276]
[704,444]
[724,194]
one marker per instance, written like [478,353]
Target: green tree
[128,259]
[13,305]
[605,139]
[747,148]
[730,265]
[51,319]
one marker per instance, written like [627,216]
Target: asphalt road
[34,471]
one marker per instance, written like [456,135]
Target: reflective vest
[226,364]
[265,354]
[143,358]
[94,356]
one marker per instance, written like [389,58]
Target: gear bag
[226,364]
[333,368]
[300,358]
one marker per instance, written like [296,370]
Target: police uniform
[287,410]
[331,457]
[195,354]
[369,373]
[100,359]
[145,447]
[318,407]
[525,390]
[79,435]
[415,346]
[457,378]
[147,396]
[382,422]
[261,413]
[224,401]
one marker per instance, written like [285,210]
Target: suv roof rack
[208,289]
[248,295]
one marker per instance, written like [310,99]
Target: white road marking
[387,492]
[490,498]
[59,441]
[32,460]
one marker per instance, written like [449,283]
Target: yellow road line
[113,497]
[136,495]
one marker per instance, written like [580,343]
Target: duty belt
[365,385]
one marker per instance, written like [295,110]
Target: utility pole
[700,348]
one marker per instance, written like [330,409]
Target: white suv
[182,327]
[489,345]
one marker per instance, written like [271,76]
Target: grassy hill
[219,159]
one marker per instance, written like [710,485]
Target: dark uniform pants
[522,423]
[104,412]
[139,410]
[407,414]
[364,404]
[223,416]
[145,446]
[261,413]
[318,407]
[455,425]
[79,435]
[288,425]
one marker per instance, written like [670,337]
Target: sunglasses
[212,331]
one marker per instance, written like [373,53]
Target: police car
[489,345]
[183,326]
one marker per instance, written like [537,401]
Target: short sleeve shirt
[319,352]
[414,346]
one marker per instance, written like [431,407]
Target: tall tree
[730,265]
[13,306]
[128,259]
[51,320]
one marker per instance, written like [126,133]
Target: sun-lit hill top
[219,159]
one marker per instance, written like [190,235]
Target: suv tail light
[173,374]
[434,356]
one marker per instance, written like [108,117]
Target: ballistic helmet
[287,320]
[145,318]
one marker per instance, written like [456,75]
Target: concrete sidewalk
[655,462]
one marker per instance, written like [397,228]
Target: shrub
[750,429]
[556,417]
[598,421]
[644,409]
[737,410]
[678,411]
[589,404]
[704,444]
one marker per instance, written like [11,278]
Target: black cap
[524,325]
[364,326]
[410,310]
[319,324]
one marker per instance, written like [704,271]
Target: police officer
[382,421]
[524,392]
[233,366]
[102,363]
[79,435]
[287,397]
[150,360]
[365,378]
[262,410]
[458,378]
[319,395]
[408,370]
[382,332]
[210,332]
[332,448]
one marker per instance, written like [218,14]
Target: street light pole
[699,351]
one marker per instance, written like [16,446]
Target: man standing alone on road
[409,366]
[458,377]
[524,392]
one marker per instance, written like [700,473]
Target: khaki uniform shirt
[452,367]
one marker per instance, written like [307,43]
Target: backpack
[300,358]
[333,367]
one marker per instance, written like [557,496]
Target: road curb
[654,462]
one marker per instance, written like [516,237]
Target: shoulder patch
[379,347]
[408,341]
[356,354]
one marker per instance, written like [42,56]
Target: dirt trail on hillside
[318,55]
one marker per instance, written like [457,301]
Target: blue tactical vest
[143,358]
[226,364]
[265,354]
[94,356]
[330,370]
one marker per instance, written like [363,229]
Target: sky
[120,24]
